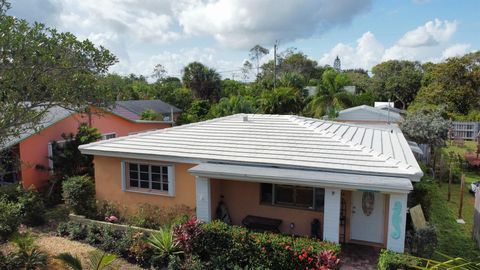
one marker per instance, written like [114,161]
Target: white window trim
[104,135]
[171,178]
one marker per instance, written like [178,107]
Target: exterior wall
[397,218]
[108,186]
[243,199]
[34,150]
[331,220]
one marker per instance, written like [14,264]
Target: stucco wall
[108,186]
[243,198]
[34,150]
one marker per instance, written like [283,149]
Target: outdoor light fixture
[292,225]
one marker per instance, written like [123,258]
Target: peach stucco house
[352,179]
[31,150]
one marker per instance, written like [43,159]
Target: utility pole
[275,64]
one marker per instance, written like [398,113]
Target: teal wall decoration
[397,220]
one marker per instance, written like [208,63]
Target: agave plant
[97,260]
[164,244]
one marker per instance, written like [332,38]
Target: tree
[426,126]
[330,96]
[399,80]
[281,100]
[150,115]
[41,68]
[198,111]
[97,260]
[360,79]
[232,105]
[205,82]
[159,72]
[453,84]
[256,53]
[246,69]
[67,159]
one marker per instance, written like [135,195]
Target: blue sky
[219,33]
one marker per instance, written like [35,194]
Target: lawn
[455,239]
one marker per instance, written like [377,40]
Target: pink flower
[111,219]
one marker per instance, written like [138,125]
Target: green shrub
[423,242]
[153,217]
[422,194]
[30,201]
[106,209]
[10,218]
[390,260]
[79,195]
[231,246]
[77,231]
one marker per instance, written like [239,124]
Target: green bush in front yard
[390,260]
[10,218]
[422,194]
[30,201]
[231,246]
[79,195]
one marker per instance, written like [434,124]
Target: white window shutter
[124,176]
[171,180]
[50,156]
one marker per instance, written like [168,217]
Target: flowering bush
[227,245]
[187,234]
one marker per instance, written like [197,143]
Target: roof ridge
[300,120]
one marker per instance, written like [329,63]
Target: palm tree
[330,96]
[281,100]
[97,260]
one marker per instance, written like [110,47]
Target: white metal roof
[313,178]
[273,140]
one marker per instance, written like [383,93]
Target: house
[30,151]
[353,179]
[368,115]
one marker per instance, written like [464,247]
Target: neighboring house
[31,151]
[368,115]
[354,179]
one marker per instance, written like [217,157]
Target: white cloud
[244,23]
[365,54]
[430,34]
[429,42]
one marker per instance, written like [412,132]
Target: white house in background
[271,169]
[369,115]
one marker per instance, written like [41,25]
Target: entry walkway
[359,257]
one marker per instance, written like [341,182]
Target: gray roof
[52,116]
[133,109]
[368,114]
[284,141]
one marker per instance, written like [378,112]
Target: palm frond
[100,260]
[71,261]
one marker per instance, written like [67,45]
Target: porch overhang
[263,174]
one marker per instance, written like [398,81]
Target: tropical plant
[165,245]
[281,100]
[330,97]
[150,115]
[28,256]
[205,82]
[232,105]
[97,260]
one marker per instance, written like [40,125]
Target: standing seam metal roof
[274,140]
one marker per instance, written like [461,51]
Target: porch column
[397,215]
[204,209]
[331,214]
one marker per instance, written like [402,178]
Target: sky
[220,33]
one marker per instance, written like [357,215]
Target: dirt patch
[54,245]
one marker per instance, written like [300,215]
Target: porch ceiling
[302,177]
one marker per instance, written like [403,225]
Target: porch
[349,208]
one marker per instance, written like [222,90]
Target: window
[108,136]
[294,196]
[149,177]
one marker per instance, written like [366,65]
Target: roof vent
[245,118]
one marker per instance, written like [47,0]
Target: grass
[455,239]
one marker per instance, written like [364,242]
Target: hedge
[390,260]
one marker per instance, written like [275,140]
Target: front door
[367,219]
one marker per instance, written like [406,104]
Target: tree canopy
[205,82]
[40,68]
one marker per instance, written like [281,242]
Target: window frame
[170,177]
[292,205]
